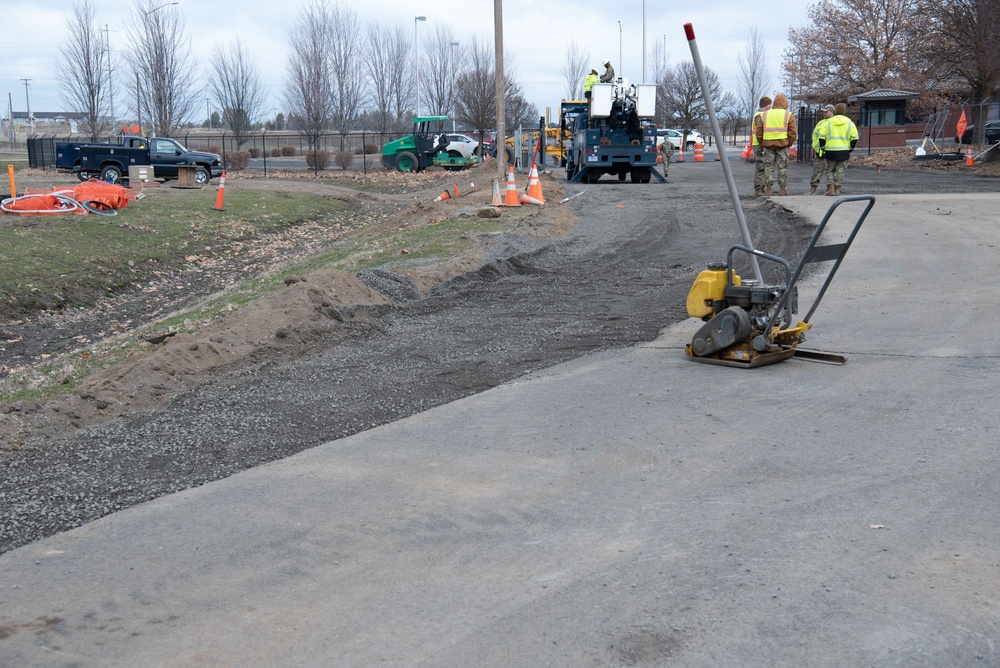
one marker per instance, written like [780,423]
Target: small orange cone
[456,190]
[497,200]
[969,160]
[680,155]
[747,152]
[528,199]
[534,185]
[442,197]
[222,193]
[510,199]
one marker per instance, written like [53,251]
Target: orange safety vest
[776,124]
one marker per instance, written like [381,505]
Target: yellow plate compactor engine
[749,324]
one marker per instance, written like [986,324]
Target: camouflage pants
[666,163]
[758,168]
[837,171]
[775,166]
[820,168]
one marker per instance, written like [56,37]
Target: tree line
[339,76]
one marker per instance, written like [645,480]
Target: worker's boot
[812,190]
[836,190]
[831,190]
[767,191]
[782,191]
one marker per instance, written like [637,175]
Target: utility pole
[111,88]
[27,103]
[498,55]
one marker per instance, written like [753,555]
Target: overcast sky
[536,34]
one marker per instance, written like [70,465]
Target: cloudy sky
[536,33]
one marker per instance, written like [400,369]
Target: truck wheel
[111,174]
[407,162]
[202,176]
[83,176]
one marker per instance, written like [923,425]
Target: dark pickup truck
[110,162]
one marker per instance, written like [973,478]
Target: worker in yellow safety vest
[776,131]
[838,136]
[758,153]
[588,83]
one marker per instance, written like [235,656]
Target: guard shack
[882,118]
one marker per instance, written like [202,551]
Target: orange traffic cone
[456,190]
[528,199]
[680,154]
[534,185]
[222,193]
[969,160]
[497,200]
[510,199]
[747,152]
[793,152]
[443,196]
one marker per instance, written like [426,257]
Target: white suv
[676,136]
[460,144]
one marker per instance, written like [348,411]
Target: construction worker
[776,131]
[837,136]
[609,72]
[666,152]
[588,83]
[820,165]
[758,152]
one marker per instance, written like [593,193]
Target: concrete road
[628,508]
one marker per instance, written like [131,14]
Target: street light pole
[416,59]
[27,104]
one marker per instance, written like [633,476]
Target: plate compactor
[749,324]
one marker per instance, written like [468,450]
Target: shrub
[287,151]
[238,160]
[212,149]
[254,152]
[373,149]
[344,159]
[318,159]
[275,152]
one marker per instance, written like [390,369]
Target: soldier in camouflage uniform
[776,131]
[758,151]
[666,152]
[820,165]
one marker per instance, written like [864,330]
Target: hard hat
[606,61]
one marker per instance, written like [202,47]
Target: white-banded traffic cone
[528,199]
[497,199]
[443,196]
[534,185]
[511,199]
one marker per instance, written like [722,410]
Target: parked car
[462,145]
[677,136]
[992,133]
[489,141]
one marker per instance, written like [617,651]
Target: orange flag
[960,126]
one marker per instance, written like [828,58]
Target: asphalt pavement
[625,508]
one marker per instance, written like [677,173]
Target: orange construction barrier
[534,185]
[699,152]
[511,199]
[969,160]
[222,192]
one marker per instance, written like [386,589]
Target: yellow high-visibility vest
[753,127]
[776,124]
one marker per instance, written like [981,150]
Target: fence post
[263,149]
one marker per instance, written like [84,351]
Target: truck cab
[111,162]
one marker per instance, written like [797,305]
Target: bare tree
[344,51]
[236,84]
[575,68]
[855,45]
[438,73]
[84,70]
[683,97]
[309,94]
[754,80]
[162,61]
[384,49]
[475,91]
[961,44]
